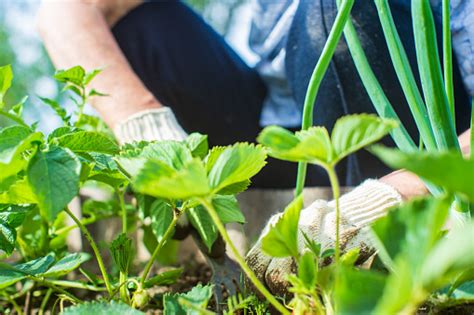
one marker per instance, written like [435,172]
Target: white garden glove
[150,125]
[359,208]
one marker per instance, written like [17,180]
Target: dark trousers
[190,68]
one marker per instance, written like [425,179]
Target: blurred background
[21,47]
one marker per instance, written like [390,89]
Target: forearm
[409,185]
[78,33]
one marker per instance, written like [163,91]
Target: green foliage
[54,178]
[190,303]
[87,141]
[101,308]
[446,169]
[161,215]
[121,249]
[281,240]
[314,145]
[66,264]
[165,278]
[198,145]
[6,77]
[236,164]
[11,217]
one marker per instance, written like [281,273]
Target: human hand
[359,208]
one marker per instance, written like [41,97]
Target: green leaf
[54,178]
[91,75]
[167,277]
[173,153]
[195,299]
[14,141]
[446,169]
[161,215]
[307,269]
[411,229]
[350,257]
[158,179]
[36,266]
[88,141]
[61,131]
[66,264]
[7,237]
[121,249]
[101,308]
[212,157]
[14,215]
[352,133]
[236,188]
[18,193]
[281,240]
[204,225]
[11,217]
[357,291]
[73,75]
[451,256]
[198,144]
[312,145]
[236,164]
[228,209]
[6,77]
[58,109]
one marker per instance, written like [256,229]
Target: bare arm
[408,184]
[77,32]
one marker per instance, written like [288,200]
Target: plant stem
[50,285]
[471,143]
[448,59]
[77,285]
[45,301]
[91,241]
[317,76]
[158,247]
[121,198]
[44,235]
[123,276]
[376,94]
[405,74]
[336,193]
[240,260]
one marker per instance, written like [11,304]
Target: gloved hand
[150,125]
[359,208]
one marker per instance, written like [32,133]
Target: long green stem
[471,143]
[240,260]
[123,275]
[448,58]
[44,245]
[95,249]
[158,247]
[405,74]
[50,285]
[121,198]
[45,301]
[376,94]
[336,194]
[431,75]
[317,77]
[77,285]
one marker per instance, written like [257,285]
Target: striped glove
[359,208]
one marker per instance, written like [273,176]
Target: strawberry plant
[41,174]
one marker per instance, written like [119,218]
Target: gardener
[168,73]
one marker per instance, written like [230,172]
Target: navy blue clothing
[190,68]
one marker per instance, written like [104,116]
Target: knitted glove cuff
[150,125]
[368,202]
